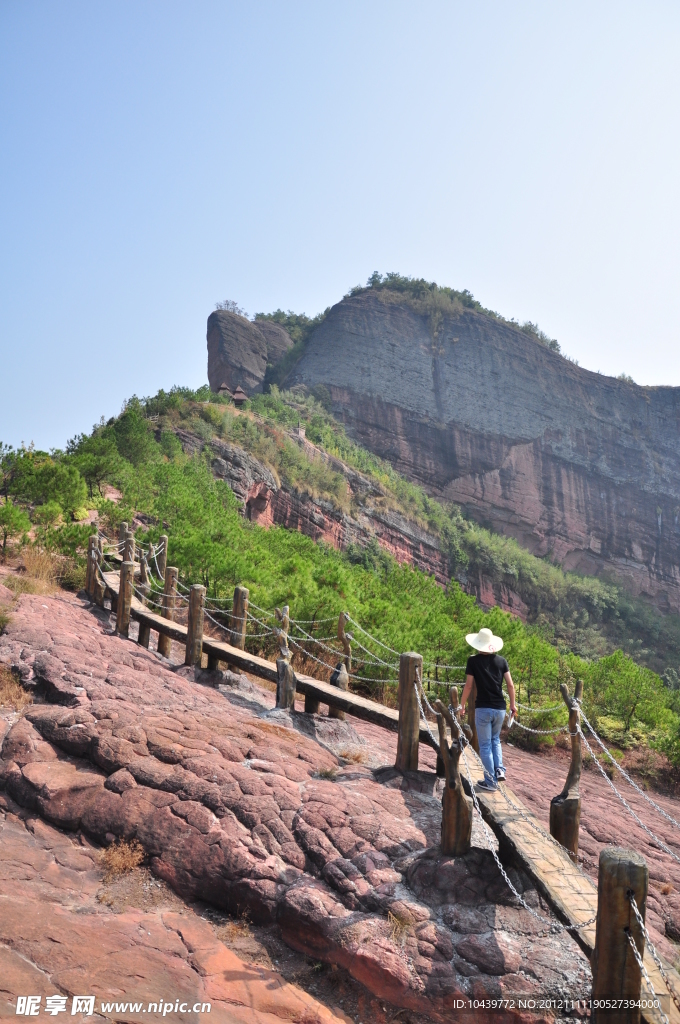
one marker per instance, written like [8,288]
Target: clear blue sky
[159,157]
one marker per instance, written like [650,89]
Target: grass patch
[121,857]
[399,928]
[330,774]
[43,572]
[354,755]
[12,694]
[36,574]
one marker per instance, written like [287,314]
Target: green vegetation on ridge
[211,543]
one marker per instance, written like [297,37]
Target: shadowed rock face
[573,464]
[238,350]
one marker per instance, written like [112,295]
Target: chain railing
[652,949]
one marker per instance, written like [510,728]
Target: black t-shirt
[488,671]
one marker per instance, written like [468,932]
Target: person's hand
[460,709]
[513,711]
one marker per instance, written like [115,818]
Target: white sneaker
[500,774]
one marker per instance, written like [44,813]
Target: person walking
[487,671]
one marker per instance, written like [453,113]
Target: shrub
[121,857]
[13,521]
[12,694]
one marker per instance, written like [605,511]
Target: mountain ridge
[574,465]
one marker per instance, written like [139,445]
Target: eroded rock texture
[236,806]
[571,463]
[239,350]
[58,938]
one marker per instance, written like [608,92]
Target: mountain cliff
[575,465]
[239,351]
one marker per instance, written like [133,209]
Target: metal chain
[655,956]
[625,803]
[160,575]
[352,675]
[627,776]
[422,713]
[235,632]
[540,710]
[337,653]
[541,732]
[437,665]
[374,639]
[643,972]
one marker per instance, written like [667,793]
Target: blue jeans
[489,722]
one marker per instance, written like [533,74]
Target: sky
[156,158]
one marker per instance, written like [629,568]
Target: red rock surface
[230,802]
[57,938]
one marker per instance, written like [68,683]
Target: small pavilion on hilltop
[239,397]
[224,391]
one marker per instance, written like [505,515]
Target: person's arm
[511,692]
[469,682]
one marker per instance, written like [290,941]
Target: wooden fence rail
[217,650]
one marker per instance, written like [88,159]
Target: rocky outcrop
[238,808]
[239,350]
[578,466]
[266,501]
[60,937]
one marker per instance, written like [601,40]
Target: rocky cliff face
[575,465]
[238,350]
[267,502]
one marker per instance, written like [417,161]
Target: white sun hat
[484,641]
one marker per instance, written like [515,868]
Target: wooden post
[286,684]
[311,704]
[456,806]
[616,974]
[283,616]
[122,531]
[129,549]
[474,742]
[194,648]
[409,715]
[565,808]
[169,597]
[239,618]
[127,570]
[93,545]
[162,557]
[143,587]
[144,629]
[344,639]
[340,679]
[98,588]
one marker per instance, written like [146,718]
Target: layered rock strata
[266,501]
[238,808]
[575,465]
